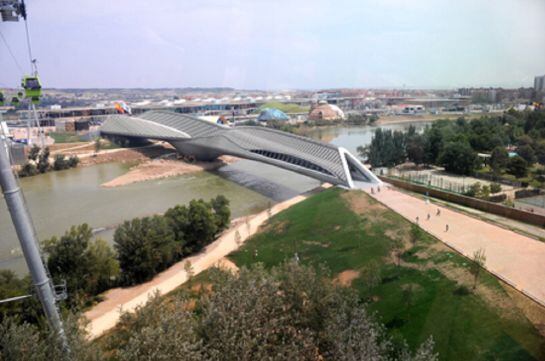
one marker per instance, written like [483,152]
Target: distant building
[325,111]
[539,83]
[272,114]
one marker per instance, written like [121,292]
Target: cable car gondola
[15,101]
[1,99]
[32,87]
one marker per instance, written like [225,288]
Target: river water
[58,200]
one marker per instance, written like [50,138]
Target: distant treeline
[455,144]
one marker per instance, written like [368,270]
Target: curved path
[516,259]
[105,315]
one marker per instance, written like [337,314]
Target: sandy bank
[162,168]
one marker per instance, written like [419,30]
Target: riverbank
[106,314]
[164,168]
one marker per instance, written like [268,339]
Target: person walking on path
[438,212]
[428,217]
[417,219]
[446,227]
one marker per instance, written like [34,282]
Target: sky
[279,44]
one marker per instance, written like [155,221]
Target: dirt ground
[345,278]
[163,168]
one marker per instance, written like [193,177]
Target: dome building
[325,111]
[271,114]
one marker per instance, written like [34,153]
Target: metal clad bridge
[206,141]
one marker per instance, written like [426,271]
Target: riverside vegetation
[454,145]
[38,162]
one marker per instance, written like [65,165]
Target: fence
[479,204]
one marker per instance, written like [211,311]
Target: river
[58,200]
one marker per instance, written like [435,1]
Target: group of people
[438,213]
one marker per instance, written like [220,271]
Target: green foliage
[88,266]
[290,312]
[26,342]
[458,158]
[144,246]
[517,166]
[386,149]
[285,107]
[26,310]
[416,233]
[527,153]
[495,188]
[29,169]
[222,212]
[73,161]
[43,160]
[324,230]
[499,159]
[34,152]
[60,162]
[203,225]
[477,264]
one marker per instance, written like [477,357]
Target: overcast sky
[280,44]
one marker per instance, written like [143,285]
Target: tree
[34,152]
[477,264]
[178,218]
[28,170]
[88,266]
[540,151]
[145,246]
[222,212]
[60,162]
[495,188]
[98,145]
[498,159]
[527,153]
[517,166]
[416,149]
[203,225]
[43,160]
[458,157]
[73,161]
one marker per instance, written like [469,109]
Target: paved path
[518,260]
[105,315]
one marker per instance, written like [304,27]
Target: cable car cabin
[1,99]
[15,101]
[35,100]
[32,86]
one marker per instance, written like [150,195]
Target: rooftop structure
[269,114]
[326,111]
[203,140]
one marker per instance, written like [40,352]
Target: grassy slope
[324,229]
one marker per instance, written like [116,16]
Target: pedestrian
[429,217]
[438,212]
[446,228]
[372,190]
[378,189]
[417,219]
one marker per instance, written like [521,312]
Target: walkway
[105,315]
[518,260]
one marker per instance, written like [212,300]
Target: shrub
[29,169]
[495,188]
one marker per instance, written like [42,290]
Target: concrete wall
[479,204]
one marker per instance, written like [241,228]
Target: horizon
[392,44]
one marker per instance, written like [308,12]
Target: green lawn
[65,137]
[419,298]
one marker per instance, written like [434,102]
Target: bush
[73,161]
[495,188]
[290,312]
[43,161]
[458,158]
